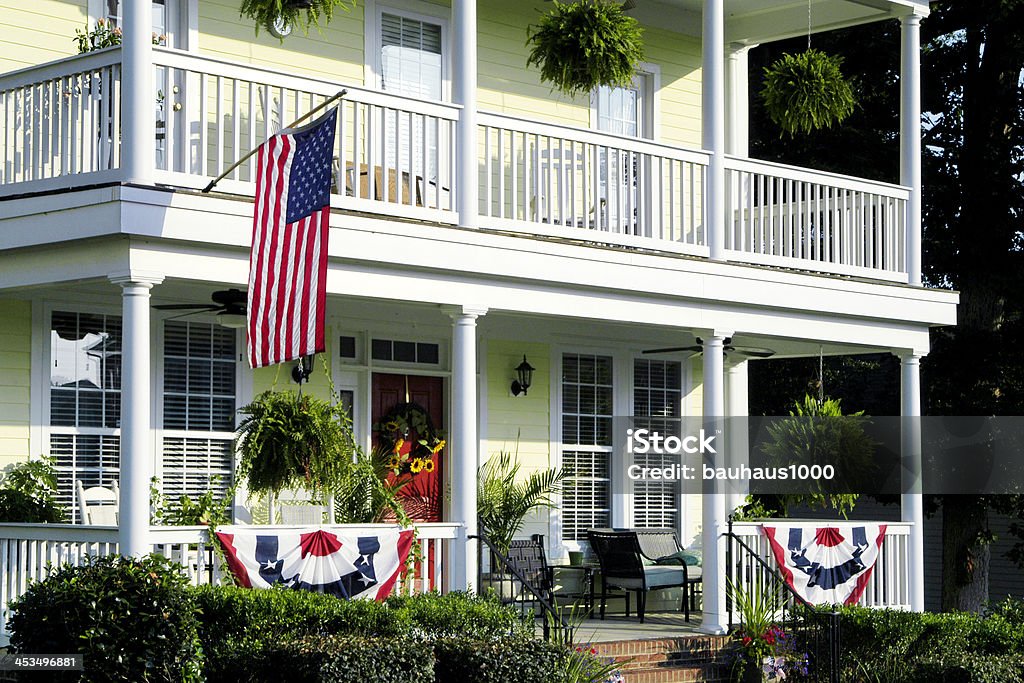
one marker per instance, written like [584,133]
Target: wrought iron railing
[528,587]
[815,630]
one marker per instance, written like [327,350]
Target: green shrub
[967,667]
[461,615]
[333,659]
[906,647]
[132,619]
[20,507]
[807,91]
[510,660]
[243,619]
[29,493]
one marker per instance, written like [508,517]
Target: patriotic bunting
[364,566]
[826,563]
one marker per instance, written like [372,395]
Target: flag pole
[294,123]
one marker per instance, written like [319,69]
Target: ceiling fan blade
[754,352]
[186,307]
[183,315]
[673,349]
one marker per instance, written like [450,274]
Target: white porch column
[464,86]
[713,502]
[713,122]
[138,120]
[911,504]
[910,137]
[136,405]
[736,439]
[737,100]
[464,445]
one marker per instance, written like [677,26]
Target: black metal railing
[526,585]
[815,630]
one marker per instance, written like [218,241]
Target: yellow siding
[264,379]
[336,53]
[520,424]
[39,31]
[15,379]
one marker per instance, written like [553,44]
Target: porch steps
[683,659]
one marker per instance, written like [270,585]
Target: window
[198,408]
[587,399]
[410,56]
[405,351]
[85,401]
[657,405]
[411,63]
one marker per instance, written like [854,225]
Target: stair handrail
[828,619]
[548,610]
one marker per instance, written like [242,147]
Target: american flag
[288,261]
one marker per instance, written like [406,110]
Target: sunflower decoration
[408,434]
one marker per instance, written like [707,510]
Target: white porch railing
[583,184]
[392,155]
[792,217]
[60,123]
[29,552]
[395,156]
[889,585]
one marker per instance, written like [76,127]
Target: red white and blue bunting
[826,563]
[359,566]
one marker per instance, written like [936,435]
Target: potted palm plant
[504,500]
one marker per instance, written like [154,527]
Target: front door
[423,497]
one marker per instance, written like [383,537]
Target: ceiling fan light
[231,319]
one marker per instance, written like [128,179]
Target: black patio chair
[622,567]
[661,546]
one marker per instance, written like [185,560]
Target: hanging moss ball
[807,91]
[585,44]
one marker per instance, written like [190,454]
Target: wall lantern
[524,378]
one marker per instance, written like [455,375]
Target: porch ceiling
[752,22]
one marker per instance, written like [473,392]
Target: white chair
[302,515]
[98,505]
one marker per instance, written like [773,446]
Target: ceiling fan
[749,351]
[228,305]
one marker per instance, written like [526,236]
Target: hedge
[908,647]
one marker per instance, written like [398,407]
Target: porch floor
[659,625]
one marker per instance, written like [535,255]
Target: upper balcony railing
[395,156]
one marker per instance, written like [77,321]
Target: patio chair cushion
[678,558]
[656,577]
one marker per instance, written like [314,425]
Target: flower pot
[576,557]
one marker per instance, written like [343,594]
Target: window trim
[372,11]
[160,433]
[40,377]
[651,123]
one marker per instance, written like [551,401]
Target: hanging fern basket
[275,14]
[581,45]
[807,91]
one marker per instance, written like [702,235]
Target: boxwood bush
[906,647]
[498,661]
[132,619]
[331,659]
[239,619]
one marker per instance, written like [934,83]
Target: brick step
[696,659]
[666,675]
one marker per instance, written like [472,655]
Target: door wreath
[408,435]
